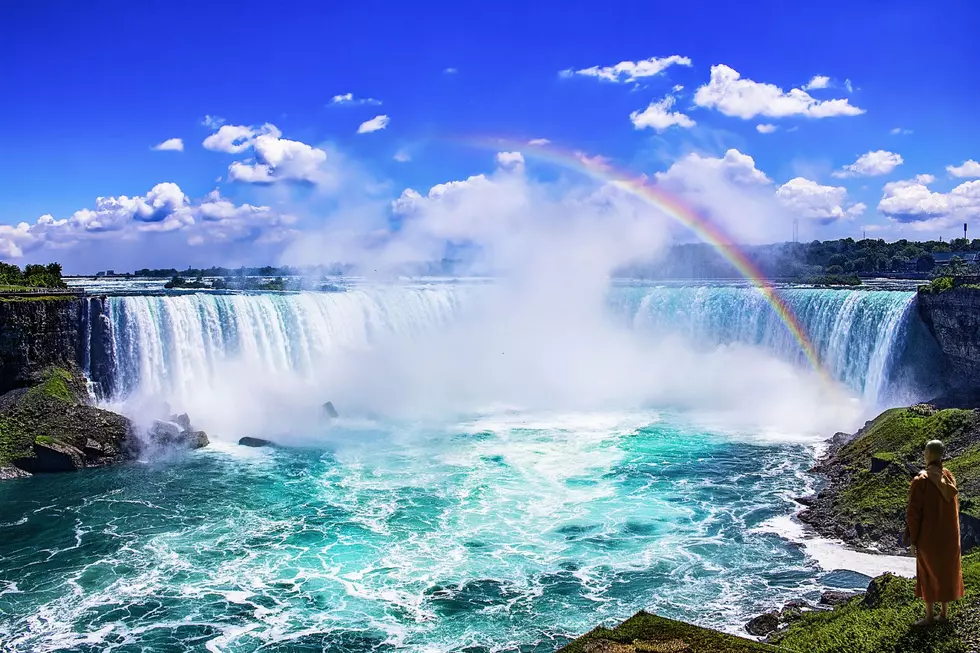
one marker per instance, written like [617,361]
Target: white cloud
[817,82]
[969,168]
[402,156]
[925,179]
[630,71]
[899,131]
[848,86]
[510,160]
[237,138]
[871,164]
[659,117]
[766,129]
[212,122]
[538,141]
[280,159]
[450,71]
[349,99]
[808,199]
[743,98]
[736,167]
[171,144]
[912,202]
[374,124]
[165,209]
[678,88]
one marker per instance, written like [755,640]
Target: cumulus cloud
[766,128]
[899,131]
[871,164]
[238,138]
[280,159]
[808,199]
[734,166]
[171,144]
[969,168]
[349,99]
[630,71]
[510,160]
[659,117]
[374,124]
[817,82]
[164,209]
[743,98]
[912,202]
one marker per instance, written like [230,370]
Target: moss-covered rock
[649,632]
[864,501]
[50,427]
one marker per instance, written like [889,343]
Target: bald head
[935,451]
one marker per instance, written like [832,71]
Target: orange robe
[933,527]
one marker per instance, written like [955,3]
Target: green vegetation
[876,500]
[55,384]
[32,276]
[882,622]
[805,261]
[16,441]
[37,298]
[648,632]
[938,285]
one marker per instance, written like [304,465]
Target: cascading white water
[168,345]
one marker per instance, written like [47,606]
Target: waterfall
[169,345]
[858,335]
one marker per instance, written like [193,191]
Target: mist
[540,338]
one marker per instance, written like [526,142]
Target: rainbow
[601,170]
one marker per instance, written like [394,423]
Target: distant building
[110,273]
[943,258]
[100,274]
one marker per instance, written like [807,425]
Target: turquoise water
[505,533]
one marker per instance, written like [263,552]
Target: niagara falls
[489,328]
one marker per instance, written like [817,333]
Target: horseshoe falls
[504,475]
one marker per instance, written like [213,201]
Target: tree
[925,263]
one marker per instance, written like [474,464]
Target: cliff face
[36,334]
[953,317]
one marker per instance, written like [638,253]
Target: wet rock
[51,456]
[255,442]
[7,473]
[183,421]
[329,411]
[195,439]
[763,624]
[836,597]
[163,432]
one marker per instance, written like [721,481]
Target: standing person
[933,530]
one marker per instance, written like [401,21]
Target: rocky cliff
[60,331]
[953,317]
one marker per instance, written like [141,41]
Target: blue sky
[90,88]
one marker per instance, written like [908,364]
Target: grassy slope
[887,628]
[899,435]
[648,632]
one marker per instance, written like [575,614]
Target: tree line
[32,276]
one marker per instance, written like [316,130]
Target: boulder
[164,433]
[330,411]
[835,597]
[194,439]
[183,421]
[52,456]
[7,473]
[763,624]
[255,442]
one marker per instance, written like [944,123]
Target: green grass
[887,628]
[38,298]
[55,384]
[645,631]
